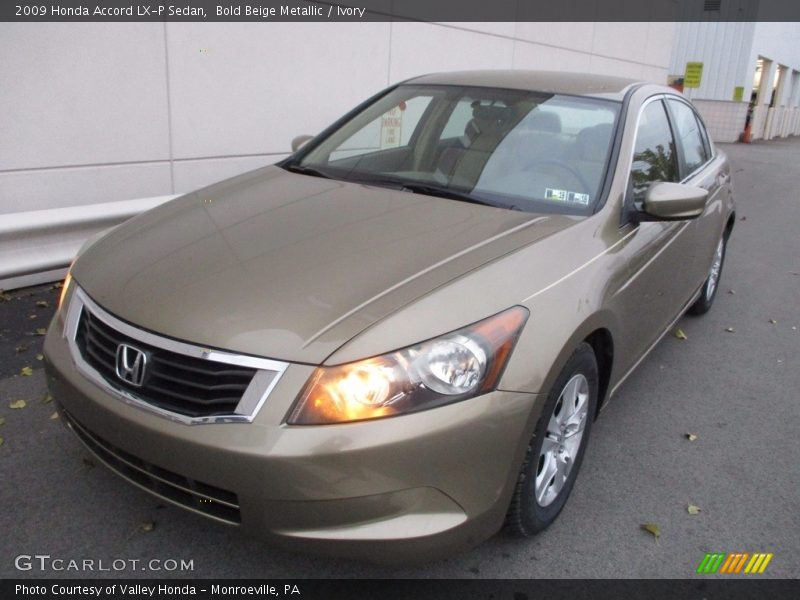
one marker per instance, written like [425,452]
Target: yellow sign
[738,94]
[693,75]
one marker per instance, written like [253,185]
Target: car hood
[290,266]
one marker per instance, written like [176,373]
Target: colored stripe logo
[734,563]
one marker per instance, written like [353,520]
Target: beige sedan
[395,341]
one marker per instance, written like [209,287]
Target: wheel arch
[597,331]
[729,224]
[602,342]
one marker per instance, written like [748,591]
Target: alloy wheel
[562,440]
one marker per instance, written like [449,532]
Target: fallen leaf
[743,219]
[57,286]
[691,437]
[730,329]
[147,526]
[21,348]
[4,297]
[773,322]
[54,416]
[731,292]
[2,441]
[32,317]
[41,331]
[42,304]
[2,420]
[680,335]
[48,397]
[16,404]
[652,528]
[40,357]
[26,371]
[692,509]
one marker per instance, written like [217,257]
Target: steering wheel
[567,167]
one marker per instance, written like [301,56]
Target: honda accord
[395,342]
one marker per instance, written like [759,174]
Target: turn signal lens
[64,289]
[454,367]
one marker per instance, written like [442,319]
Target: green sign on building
[693,75]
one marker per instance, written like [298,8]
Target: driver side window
[654,156]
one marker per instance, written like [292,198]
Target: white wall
[724,49]
[104,112]
[779,42]
[729,52]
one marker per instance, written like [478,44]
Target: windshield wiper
[404,185]
[444,192]
[307,171]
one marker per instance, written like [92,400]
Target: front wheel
[557,448]
[703,304]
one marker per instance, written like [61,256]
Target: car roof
[557,82]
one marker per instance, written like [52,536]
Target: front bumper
[404,488]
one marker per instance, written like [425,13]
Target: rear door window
[689,136]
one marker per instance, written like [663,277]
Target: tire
[539,497]
[709,290]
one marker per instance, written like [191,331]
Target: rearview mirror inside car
[666,201]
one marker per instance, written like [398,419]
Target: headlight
[456,366]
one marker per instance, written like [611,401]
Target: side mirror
[665,201]
[298,142]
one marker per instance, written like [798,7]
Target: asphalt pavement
[733,383]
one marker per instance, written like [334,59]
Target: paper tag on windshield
[566,196]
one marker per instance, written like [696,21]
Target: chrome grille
[188,386]
[181,381]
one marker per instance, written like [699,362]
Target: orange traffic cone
[746,134]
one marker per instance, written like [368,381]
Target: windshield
[529,151]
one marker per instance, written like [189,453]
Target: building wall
[779,43]
[723,118]
[729,52]
[105,112]
[725,51]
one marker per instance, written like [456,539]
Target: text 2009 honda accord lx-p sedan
[396,340]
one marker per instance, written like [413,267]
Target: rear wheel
[703,304]
[557,448]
